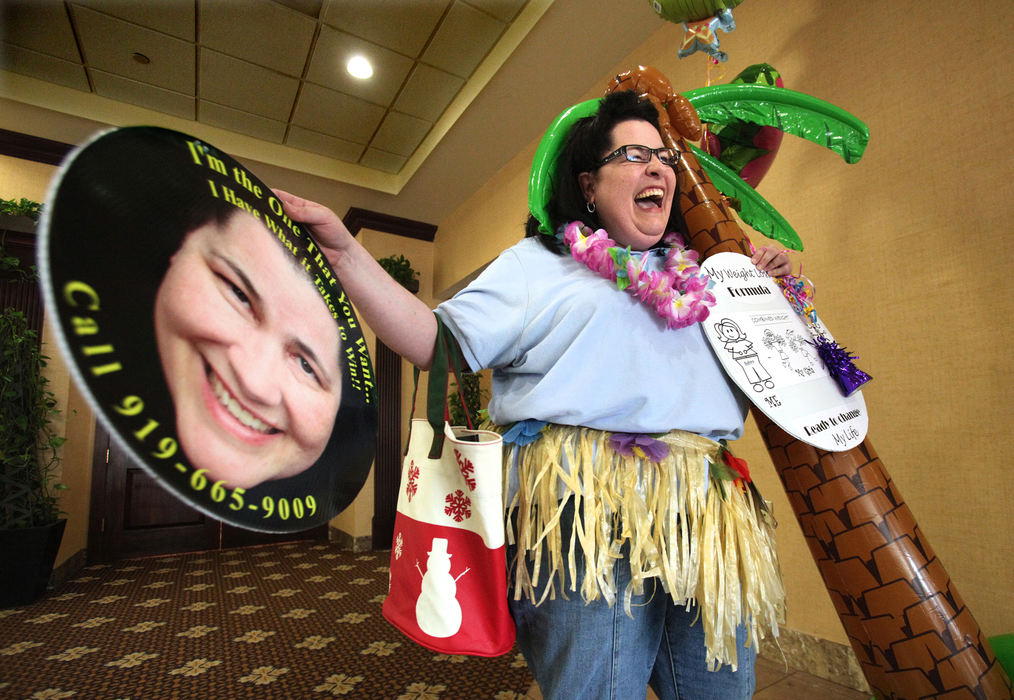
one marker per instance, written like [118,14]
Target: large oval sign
[207,330]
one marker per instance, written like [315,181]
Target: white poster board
[762,344]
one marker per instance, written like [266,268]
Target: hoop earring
[590,206]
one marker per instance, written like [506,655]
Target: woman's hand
[771,260]
[398,317]
[328,230]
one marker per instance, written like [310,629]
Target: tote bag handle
[446,356]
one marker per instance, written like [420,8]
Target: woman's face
[250,353]
[632,200]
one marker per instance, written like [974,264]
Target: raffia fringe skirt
[710,544]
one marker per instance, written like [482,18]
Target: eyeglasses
[643,154]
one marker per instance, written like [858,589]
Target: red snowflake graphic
[458,506]
[413,477]
[467,470]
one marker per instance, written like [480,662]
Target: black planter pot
[21,224]
[26,562]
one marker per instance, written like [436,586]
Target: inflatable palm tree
[911,631]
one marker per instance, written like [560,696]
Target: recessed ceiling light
[141,58]
[359,67]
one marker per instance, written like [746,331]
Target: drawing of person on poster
[208,331]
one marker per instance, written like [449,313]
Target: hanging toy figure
[700,21]
[701,35]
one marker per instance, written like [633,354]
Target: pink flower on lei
[658,290]
[637,275]
[683,263]
[692,306]
[655,289]
[591,248]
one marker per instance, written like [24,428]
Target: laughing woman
[612,406]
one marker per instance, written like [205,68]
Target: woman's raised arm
[400,320]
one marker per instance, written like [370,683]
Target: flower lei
[678,293]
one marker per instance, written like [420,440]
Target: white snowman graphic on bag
[437,610]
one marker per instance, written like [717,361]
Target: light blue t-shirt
[567,347]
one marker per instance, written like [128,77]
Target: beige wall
[24,179]
[908,250]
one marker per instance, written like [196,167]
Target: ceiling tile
[336,114]
[334,49]
[40,26]
[323,145]
[381,160]
[283,47]
[311,8]
[428,92]
[273,70]
[401,25]
[246,87]
[242,122]
[159,99]
[43,67]
[109,44]
[175,17]
[503,10]
[463,40]
[400,134]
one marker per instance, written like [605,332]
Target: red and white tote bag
[448,589]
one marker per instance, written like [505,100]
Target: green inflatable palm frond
[792,112]
[753,209]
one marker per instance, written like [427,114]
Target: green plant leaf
[398,267]
[20,207]
[754,209]
[473,396]
[790,111]
[28,443]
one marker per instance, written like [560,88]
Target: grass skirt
[709,543]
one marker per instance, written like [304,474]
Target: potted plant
[19,215]
[398,267]
[31,525]
[473,395]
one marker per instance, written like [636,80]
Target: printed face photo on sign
[203,328]
[255,387]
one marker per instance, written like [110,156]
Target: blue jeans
[578,650]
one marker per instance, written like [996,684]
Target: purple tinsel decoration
[839,362]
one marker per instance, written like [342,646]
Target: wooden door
[132,515]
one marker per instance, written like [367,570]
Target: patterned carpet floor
[299,620]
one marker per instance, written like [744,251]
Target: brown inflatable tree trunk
[911,631]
